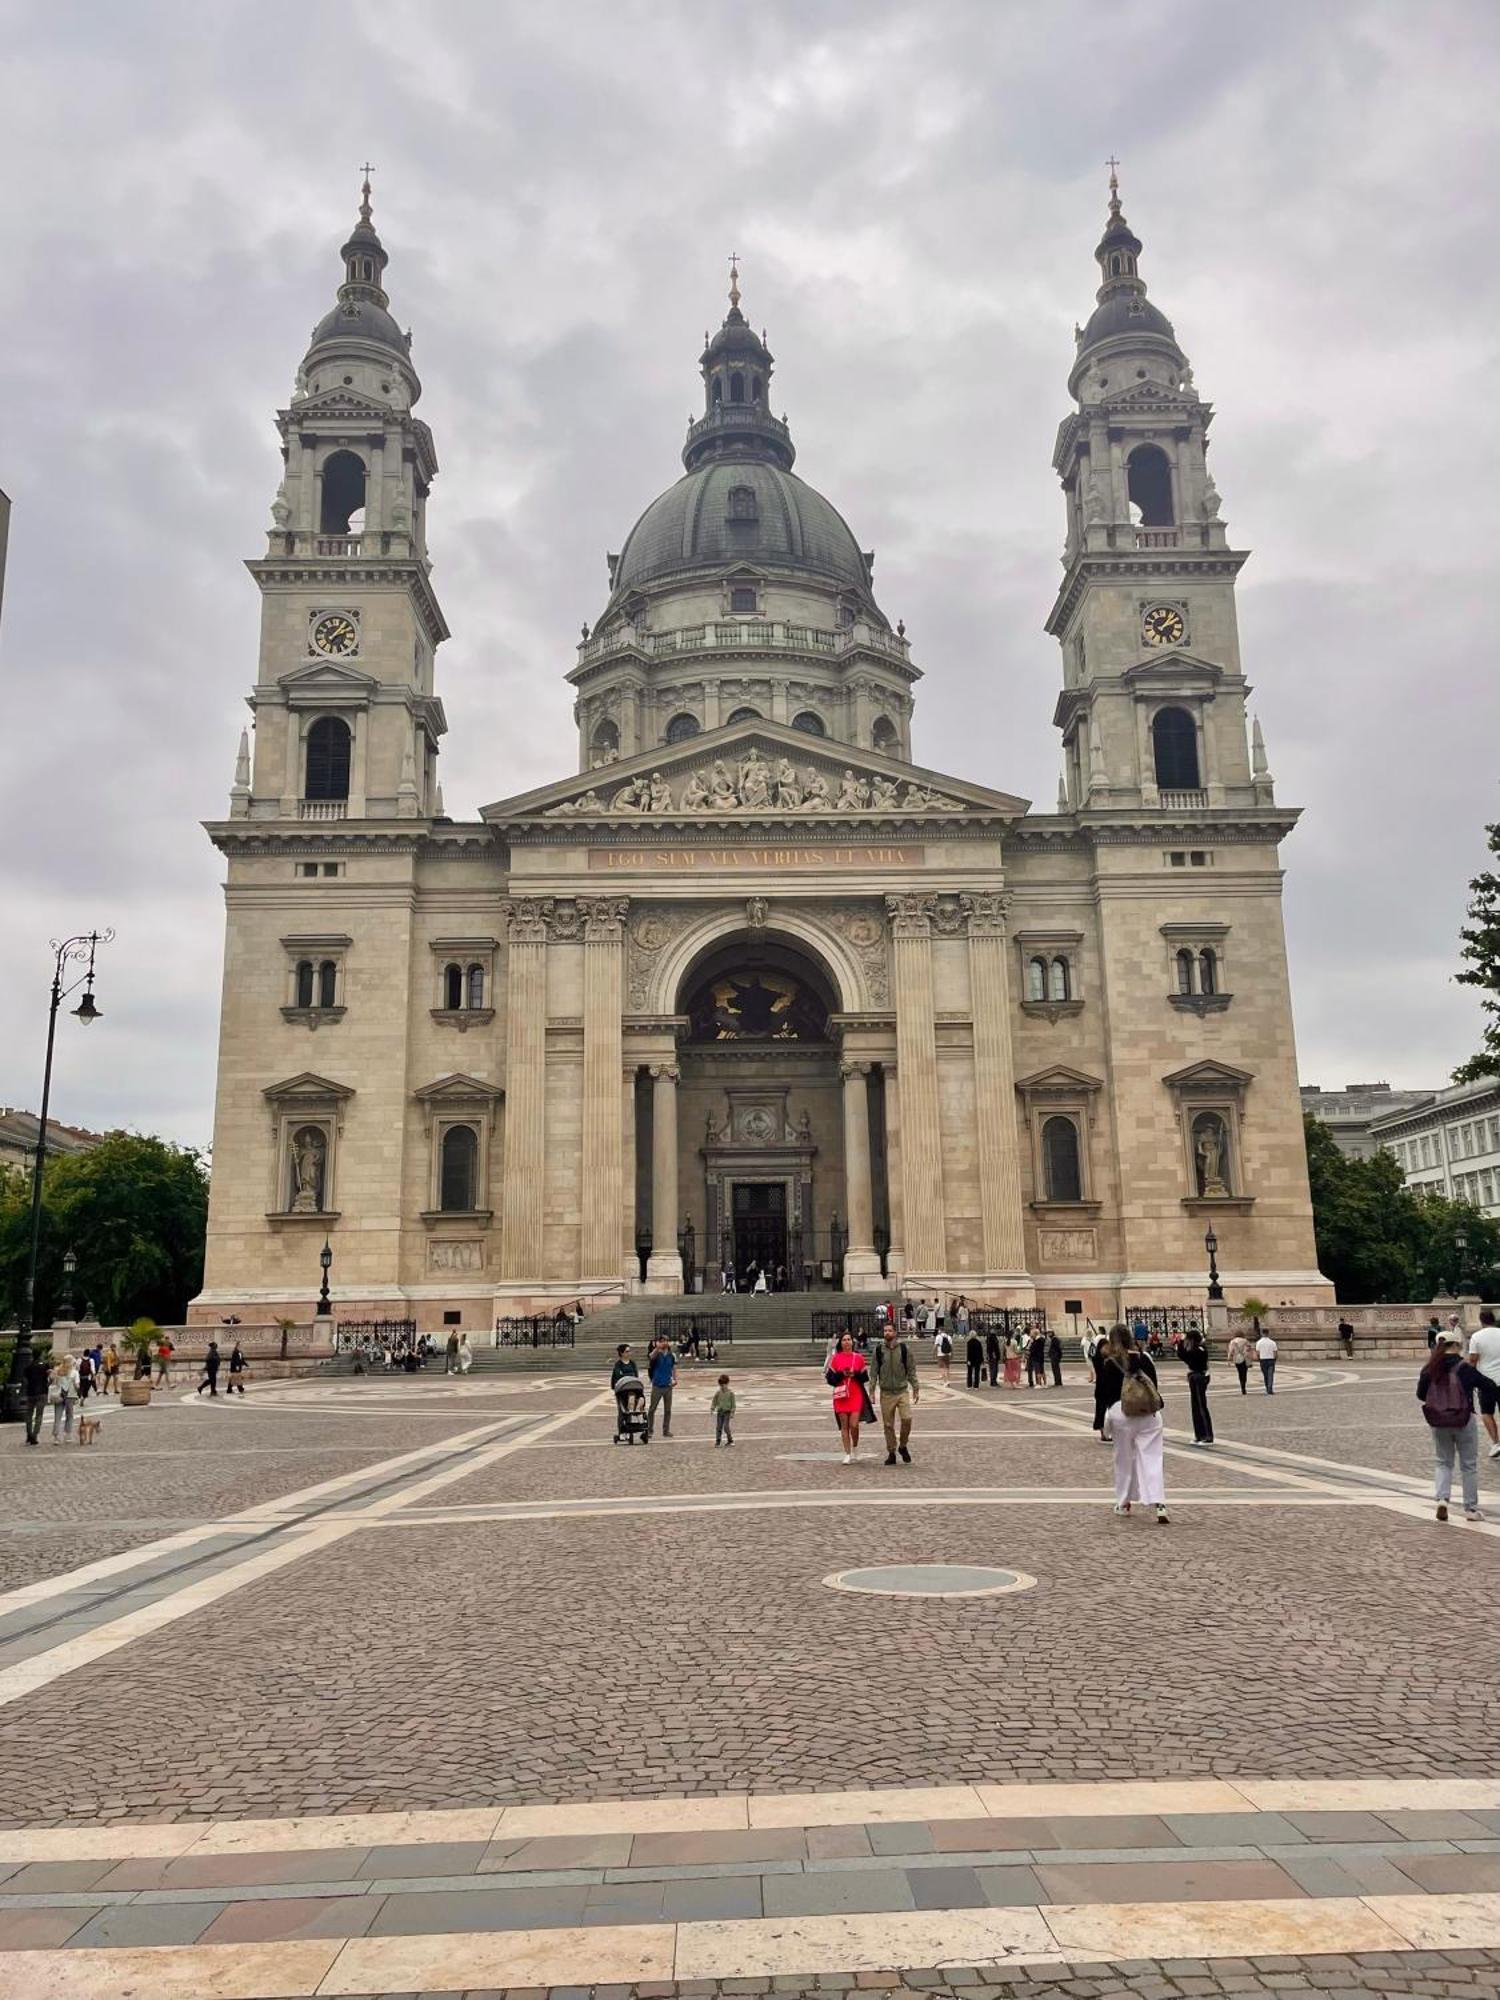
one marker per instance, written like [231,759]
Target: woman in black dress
[1193,1354]
[1109,1376]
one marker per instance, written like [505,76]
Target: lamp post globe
[1211,1245]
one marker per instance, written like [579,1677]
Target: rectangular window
[1198,858]
[1178,857]
[332,867]
[453,1319]
[307,867]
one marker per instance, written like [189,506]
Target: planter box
[135,1395]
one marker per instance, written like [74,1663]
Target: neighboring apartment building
[1349,1113]
[18,1135]
[1448,1142]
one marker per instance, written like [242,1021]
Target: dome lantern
[736,366]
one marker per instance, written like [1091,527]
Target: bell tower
[1152,711]
[346,719]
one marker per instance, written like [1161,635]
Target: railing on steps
[682,1329]
[535,1330]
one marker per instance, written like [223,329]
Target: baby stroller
[630,1411]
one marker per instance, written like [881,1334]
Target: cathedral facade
[751,987]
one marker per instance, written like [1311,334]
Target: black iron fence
[825,1327]
[535,1330]
[682,1328]
[397,1334]
[1166,1320]
[1005,1320]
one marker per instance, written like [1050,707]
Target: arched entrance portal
[761,1118]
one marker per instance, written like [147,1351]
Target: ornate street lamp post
[325,1258]
[1461,1250]
[70,1269]
[1211,1245]
[77,950]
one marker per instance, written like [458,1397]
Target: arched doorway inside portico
[761,1122]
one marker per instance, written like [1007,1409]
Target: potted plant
[1255,1311]
[139,1340]
[287,1326]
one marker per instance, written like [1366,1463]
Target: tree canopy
[133,1210]
[1481,955]
[1381,1241]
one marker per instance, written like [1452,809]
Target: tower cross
[734,277]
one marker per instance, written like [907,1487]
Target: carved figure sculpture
[308,1149]
[710,1130]
[1212,501]
[815,796]
[854,794]
[661,794]
[1210,1151]
[804,1129]
[722,795]
[755,781]
[756,911]
[882,792]
[695,795]
[634,796]
[788,785]
[281,511]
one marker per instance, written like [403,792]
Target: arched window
[736,388]
[328,743]
[681,727]
[742,505]
[1060,985]
[328,983]
[305,986]
[745,715]
[1036,979]
[1060,1167]
[343,491]
[453,987]
[1184,971]
[885,736]
[604,744]
[474,986]
[1208,971]
[718,396]
[810,723]
[755,389]
[459,1170]
[1148,478]
[1174,746]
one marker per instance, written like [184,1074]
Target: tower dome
[1124,321]
[361,321]
[739,500]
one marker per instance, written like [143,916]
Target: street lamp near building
[70,1271]
[325,1258]
[74,951]
[1211,1245]
[1461,1251]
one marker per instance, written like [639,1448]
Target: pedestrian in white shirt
[1265,1354]
[1484,1353]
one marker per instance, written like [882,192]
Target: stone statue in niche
[756,912]
[710,1130]
[1209,1148]
[309,1154]
[804,1129]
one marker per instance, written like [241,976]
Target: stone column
[628,1264]
[895,1192]
[994,1086]
[525,1089]
[916,1058]
[664,1267]
[603,1135]
[860,1259]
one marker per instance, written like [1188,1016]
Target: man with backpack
[895,1376]
[1446,1389]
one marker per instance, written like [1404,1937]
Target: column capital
[849,1068]
[668,1070]
[604,918]
[528,918]
[986,911]
[910,916]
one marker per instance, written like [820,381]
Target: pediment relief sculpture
[755,783]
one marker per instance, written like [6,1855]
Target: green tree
[1368,1233]
[1481,955]
[135,1212]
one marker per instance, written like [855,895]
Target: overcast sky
[916,191]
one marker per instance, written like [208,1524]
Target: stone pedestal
[664,1266]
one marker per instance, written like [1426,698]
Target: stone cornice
[1117,565]
[407,573]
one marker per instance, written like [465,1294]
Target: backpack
[1446,1405]
[1139,1396]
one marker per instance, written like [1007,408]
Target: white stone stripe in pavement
[1052,1799]
[763,1947]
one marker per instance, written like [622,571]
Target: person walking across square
[896,1378]
[1193,1355]
[1135,1426]
[723,1409]
[37,1379]
[661,1367]
[1265,1354]
[1238,1356]
[1484,1353]
[1445,1389]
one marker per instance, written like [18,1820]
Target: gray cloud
[916,191]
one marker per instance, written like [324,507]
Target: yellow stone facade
[750,986]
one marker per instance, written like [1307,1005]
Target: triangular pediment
[327,677]
[756,770]
[1173,669]
[1209,1072]
[341,402]
[456,1088]
[307,1084]
[1058,1076]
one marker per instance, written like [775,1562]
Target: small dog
[88,1428]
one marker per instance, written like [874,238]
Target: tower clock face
[1163,625]
[335,633]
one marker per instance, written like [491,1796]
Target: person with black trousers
[1054,1358]
[38,1375]
[992,1356]
[1036,1361]
[1109,1376]
[974,1361]
[1193,1354]
[210,1370]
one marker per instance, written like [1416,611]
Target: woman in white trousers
[1137,1434]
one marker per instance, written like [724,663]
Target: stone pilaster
[916,1058]
[664,1267]
[895,1190]
[603,1139]
[994,1085]
[528,919]
[860,1260]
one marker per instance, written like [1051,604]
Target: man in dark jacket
[1054,1358]
[993,1356]
[35,1383]
[210,1370]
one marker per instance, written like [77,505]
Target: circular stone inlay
[931,1580]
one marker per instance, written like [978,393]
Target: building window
[736,388]
[328,983]
[1208,971]
[303,988]
[810,723]
[1184,971]
[453,987]
[742,505]
[744,597]
[681,727]
[307,868]
[1148,475]
[474,986]
[746,715]
[1060,1161]
[343,492]
[1060,980]
[884,736]
[1174,745]
[328,746]
[1036,979]
[604,744]
[460,1166]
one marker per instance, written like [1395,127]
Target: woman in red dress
[846,1374]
